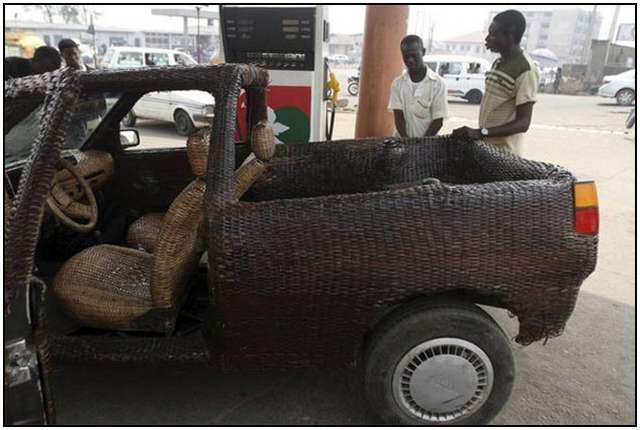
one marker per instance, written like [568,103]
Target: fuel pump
[292,43]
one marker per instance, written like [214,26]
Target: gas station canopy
[186,13]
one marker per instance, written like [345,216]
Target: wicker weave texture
[337,256]
[143,232]
[197,151]
[178,248]
[105,286]
[262,141]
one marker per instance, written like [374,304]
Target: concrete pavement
[585,377]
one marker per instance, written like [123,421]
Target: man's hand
[468,133]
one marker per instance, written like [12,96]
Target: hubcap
[443,380]
[626,97]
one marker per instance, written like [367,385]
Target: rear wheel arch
[458,297]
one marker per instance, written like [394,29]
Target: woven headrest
[262,141]
[198,151]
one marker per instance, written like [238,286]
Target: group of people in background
[45,59]
[418,97]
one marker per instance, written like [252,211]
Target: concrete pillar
[385,27]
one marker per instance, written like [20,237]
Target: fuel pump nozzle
[332,89]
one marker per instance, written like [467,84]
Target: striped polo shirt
[508,84]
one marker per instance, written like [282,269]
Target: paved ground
[586,376]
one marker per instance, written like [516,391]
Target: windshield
[90,110]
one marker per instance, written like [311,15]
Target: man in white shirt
[418,96]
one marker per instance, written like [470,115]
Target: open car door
[27,368]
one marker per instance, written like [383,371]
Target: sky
[449,20]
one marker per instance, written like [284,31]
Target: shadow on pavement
[584,377]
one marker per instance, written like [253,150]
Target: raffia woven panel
[105,286]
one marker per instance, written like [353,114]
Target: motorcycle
[353,85]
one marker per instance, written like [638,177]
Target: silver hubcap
[626,97]
[443,380]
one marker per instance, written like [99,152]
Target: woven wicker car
[370,254]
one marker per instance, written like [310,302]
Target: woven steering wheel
[66,208]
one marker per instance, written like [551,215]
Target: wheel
[442,363]
[626,97]
[352,88]
[129,120]
[474,97]
[184,125]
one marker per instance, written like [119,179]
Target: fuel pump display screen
[273,38]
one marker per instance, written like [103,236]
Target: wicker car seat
[143,232]
[119,288]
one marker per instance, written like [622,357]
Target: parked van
[187,110]
[464,75]
[125,57]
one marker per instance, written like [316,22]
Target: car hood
[193,96]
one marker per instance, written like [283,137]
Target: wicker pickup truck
[372,254]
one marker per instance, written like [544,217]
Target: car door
[474,77]
[27,368]
[451,72]
[157,105]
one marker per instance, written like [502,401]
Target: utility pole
[198,32]
[430,44]
[589,39]
[587,48]
[92,31]
[612,31]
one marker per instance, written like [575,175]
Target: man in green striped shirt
[511,87]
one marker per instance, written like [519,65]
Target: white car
[187,110]
[338,59]
[621,86]
[464,75]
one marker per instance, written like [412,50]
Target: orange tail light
[586,207]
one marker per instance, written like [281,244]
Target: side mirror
[129,138]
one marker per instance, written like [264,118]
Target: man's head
[412,52]
[45,59]
[505,31]
[70,52]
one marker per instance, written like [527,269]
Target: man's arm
[434,127]
[520,124]
[401,126]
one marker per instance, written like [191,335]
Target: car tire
[438,363]
[474,97]
[626,97]
[183,124]
[352,88]
[129,120]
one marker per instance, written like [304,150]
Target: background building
[346,44]
[563,31]
[467,44]
[105,37]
